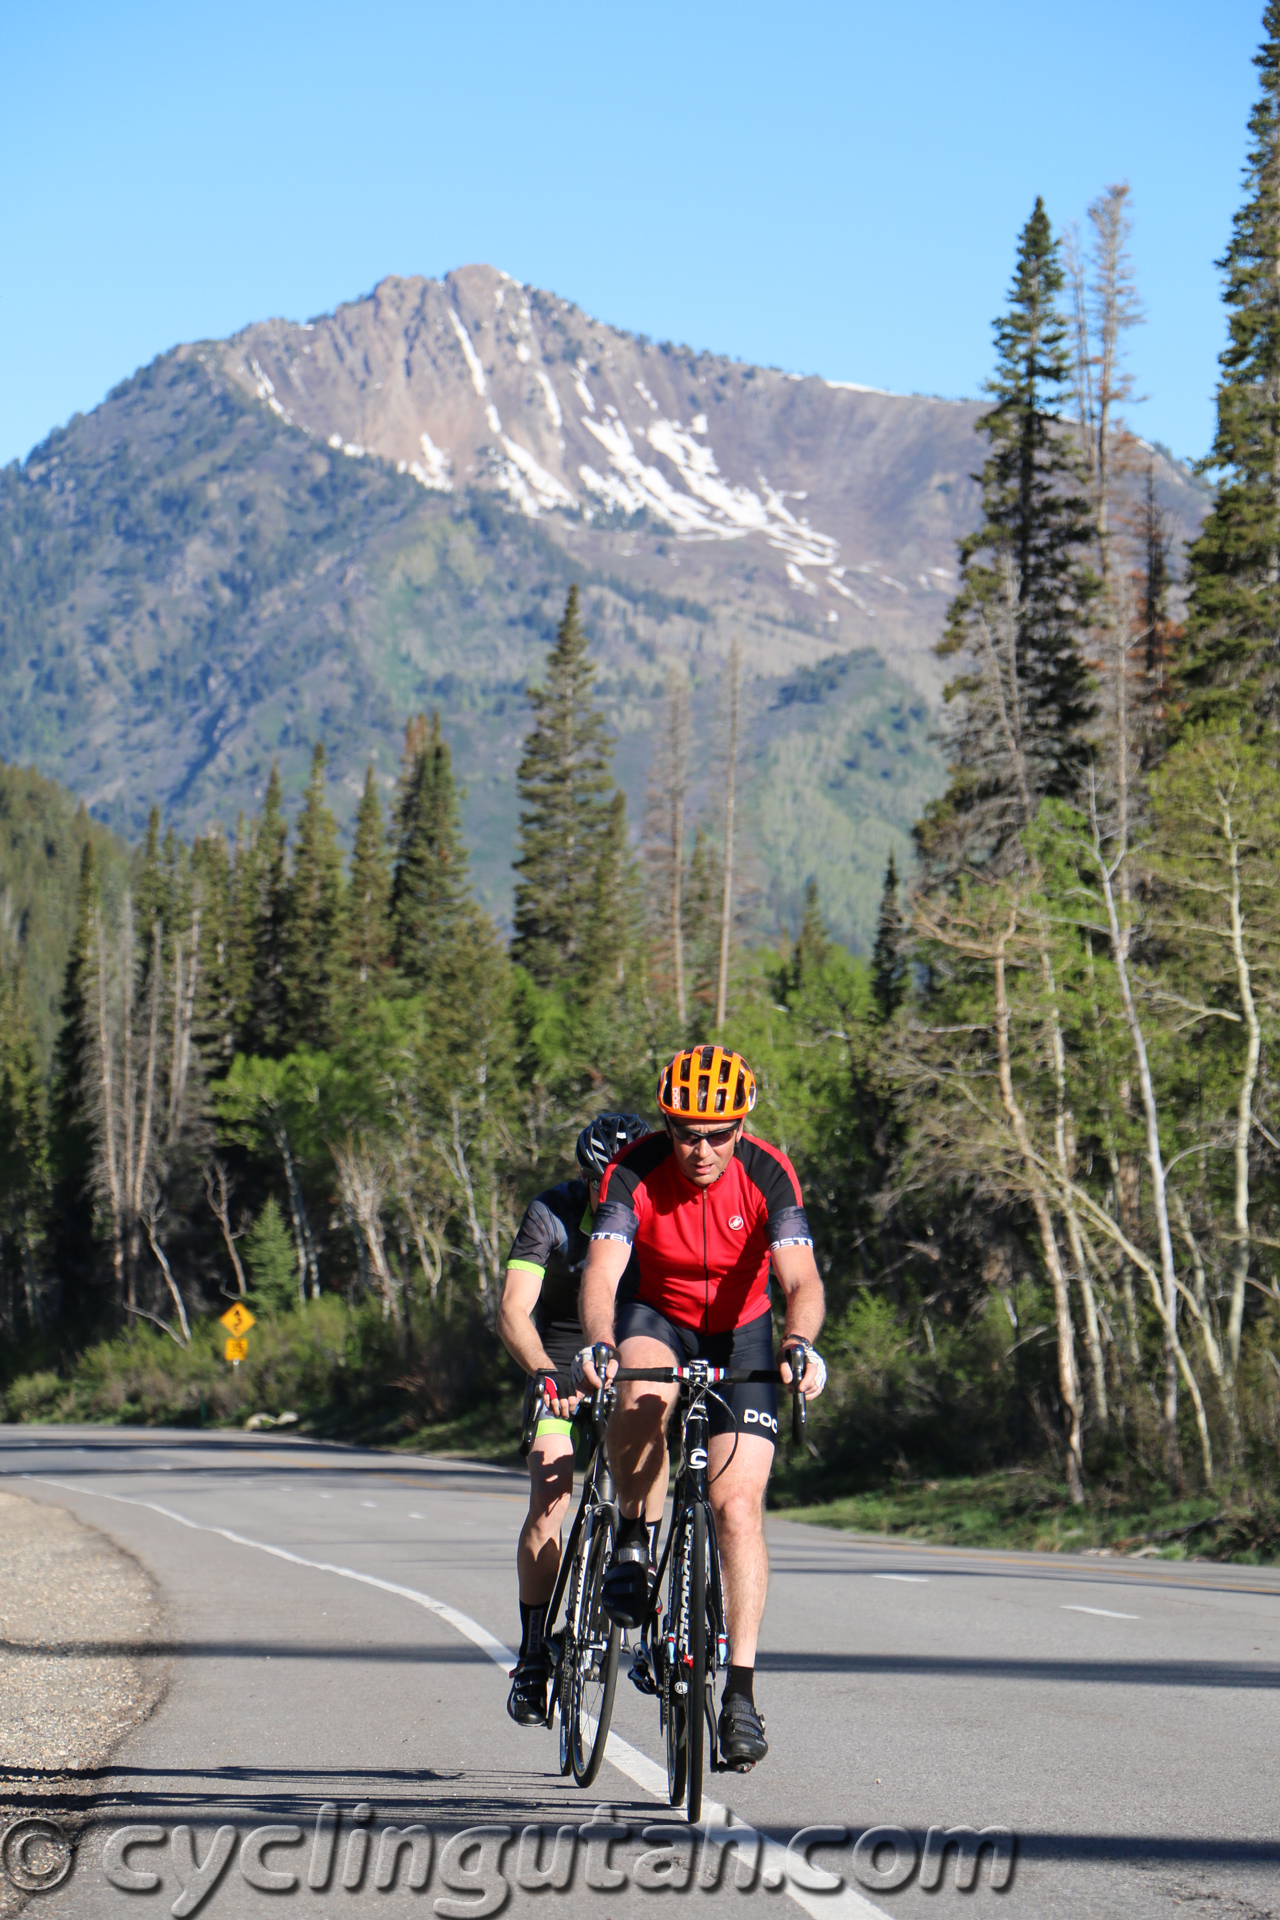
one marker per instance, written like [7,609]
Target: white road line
[1104,1612]
[636,1766]
[916,1579]
[368,1503]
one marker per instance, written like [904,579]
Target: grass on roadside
[1030,1509]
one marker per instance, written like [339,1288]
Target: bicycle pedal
[641,1674]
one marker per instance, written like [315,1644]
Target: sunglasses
[694,1136]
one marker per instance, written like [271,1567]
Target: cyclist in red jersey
[710,1211]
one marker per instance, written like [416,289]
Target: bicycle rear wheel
[595,1663]
[696,1717]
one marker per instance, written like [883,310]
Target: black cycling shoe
[527,1700]
[624,1591]
[642,1674]
[740,1734]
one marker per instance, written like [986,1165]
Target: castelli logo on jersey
[735,1221]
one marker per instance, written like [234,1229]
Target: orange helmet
[707,1083]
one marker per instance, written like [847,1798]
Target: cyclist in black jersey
[538,1325]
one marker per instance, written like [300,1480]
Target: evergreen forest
[1037,1128]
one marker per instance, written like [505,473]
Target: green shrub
[37,1396]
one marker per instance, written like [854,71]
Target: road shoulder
[82,1660]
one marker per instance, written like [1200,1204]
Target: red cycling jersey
[702,1252]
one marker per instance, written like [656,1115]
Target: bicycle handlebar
[715,1376]
[699,1371]
[727,1376]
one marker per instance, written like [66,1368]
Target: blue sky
[833,189]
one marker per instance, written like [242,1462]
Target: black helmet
[606,1135]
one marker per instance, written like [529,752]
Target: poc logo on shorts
[735,1221]
[751,1418]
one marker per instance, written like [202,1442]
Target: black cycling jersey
[553,1240]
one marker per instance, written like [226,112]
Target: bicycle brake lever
[796,1357]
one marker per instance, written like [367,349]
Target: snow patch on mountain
[267,392]
[533,488]
[435,470]
[470,355]
[548,392]
[705,506]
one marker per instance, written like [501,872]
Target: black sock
[532,1621]
[629,1530]
[741,1680]
[653,1528]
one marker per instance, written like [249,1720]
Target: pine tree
[812,942]
[565,792]
[664,847]
[312,924]
[367,928]
[610,932]
[267,910]
[242,947]
[888,968]
[161,886]
[429,891]
[1022,610]
[704,894]
[71,1217]
[1230,671]
[272,1262]
[24,1158]
[150,888]
[218,991]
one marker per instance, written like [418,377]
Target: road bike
[584,1646]
[683,1656]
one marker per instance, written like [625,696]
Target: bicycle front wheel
[595,1664]
[696,1714]
[565,1665]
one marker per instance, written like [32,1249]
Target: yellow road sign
[237,1320]
[236,1349]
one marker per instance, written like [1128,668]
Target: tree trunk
[1244,1104]
[308,1266]
[678,775]
[221,1208]
[1155,1165]
[110,1171]
[1068,1376]
[726,904]
[1063,1145]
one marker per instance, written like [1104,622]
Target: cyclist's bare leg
[637,1442]
[737,1500]
[550,1488]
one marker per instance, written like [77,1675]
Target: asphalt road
[340,1629]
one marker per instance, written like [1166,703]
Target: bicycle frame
[673,1651]
[598,1499]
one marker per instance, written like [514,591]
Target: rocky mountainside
[790,505]
[311,530]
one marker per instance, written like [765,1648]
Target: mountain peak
[476,381]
